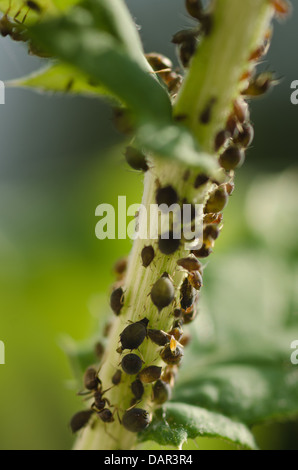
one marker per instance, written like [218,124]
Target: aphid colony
[231,143]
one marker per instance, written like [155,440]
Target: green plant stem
[239,27]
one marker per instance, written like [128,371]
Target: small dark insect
[158,337]
[190,264]
[168,245]
[232,158]
[116,379]
[189,316]
[195,279]
[172,357]
[158,61]
[150,374]
[230,186]
[221,138]
[99,402]
[177,313]
[33,6]
[185,340]
[131,364]
[187,42]
[133,335]
[211,233]
[136,159]
[99,350]
[241,110]
[169,375]
[6,27]
[147,255]
[195,9]
[167,196]
[245,136]
[176,332]
[213,218]
[120,267]
[91,380]
[217,201]
[203,252]
[161,392]
[186,294]
[206,114]
[136,420]
[117,300]
[80,419]
[232,125]
[200,180]
[106,416]
[162,293]
[137,389]
[259,85]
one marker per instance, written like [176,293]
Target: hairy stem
[222,58]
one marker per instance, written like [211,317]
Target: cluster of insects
[182,301]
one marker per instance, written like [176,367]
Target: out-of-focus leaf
[61,78]
[177,422]
[77,40]
[248,393]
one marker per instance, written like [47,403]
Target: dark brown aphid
[191,263]
[116,379]
[195,279]
[158,337]
[120,268]
[187,41]
[162,293]
[200,180]
[6,27]
[203,252]
[136,420]
[217,201]
[168,245]
[259,85]
[185,340]
[172,357]
[211,233]
[206,114]
[232,125]
[133,335]
[137,389]
[159,61]
[232,158]
[150,374]
[161,392]
[245,136]
[221,139]
[106,416]
[131,364]
[99,350]
[189,316]
[117,300]
[195,9]
[177,313]
[169,375]
[136,159]
[33,6]
[91,380]
[186,294]
[167,195]
[147,255]
[80,420]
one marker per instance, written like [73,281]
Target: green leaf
[250,394]
[177,422]
[77,40]
[61,78]
[176,143]
[17,9]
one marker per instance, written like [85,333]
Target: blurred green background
[61,157]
